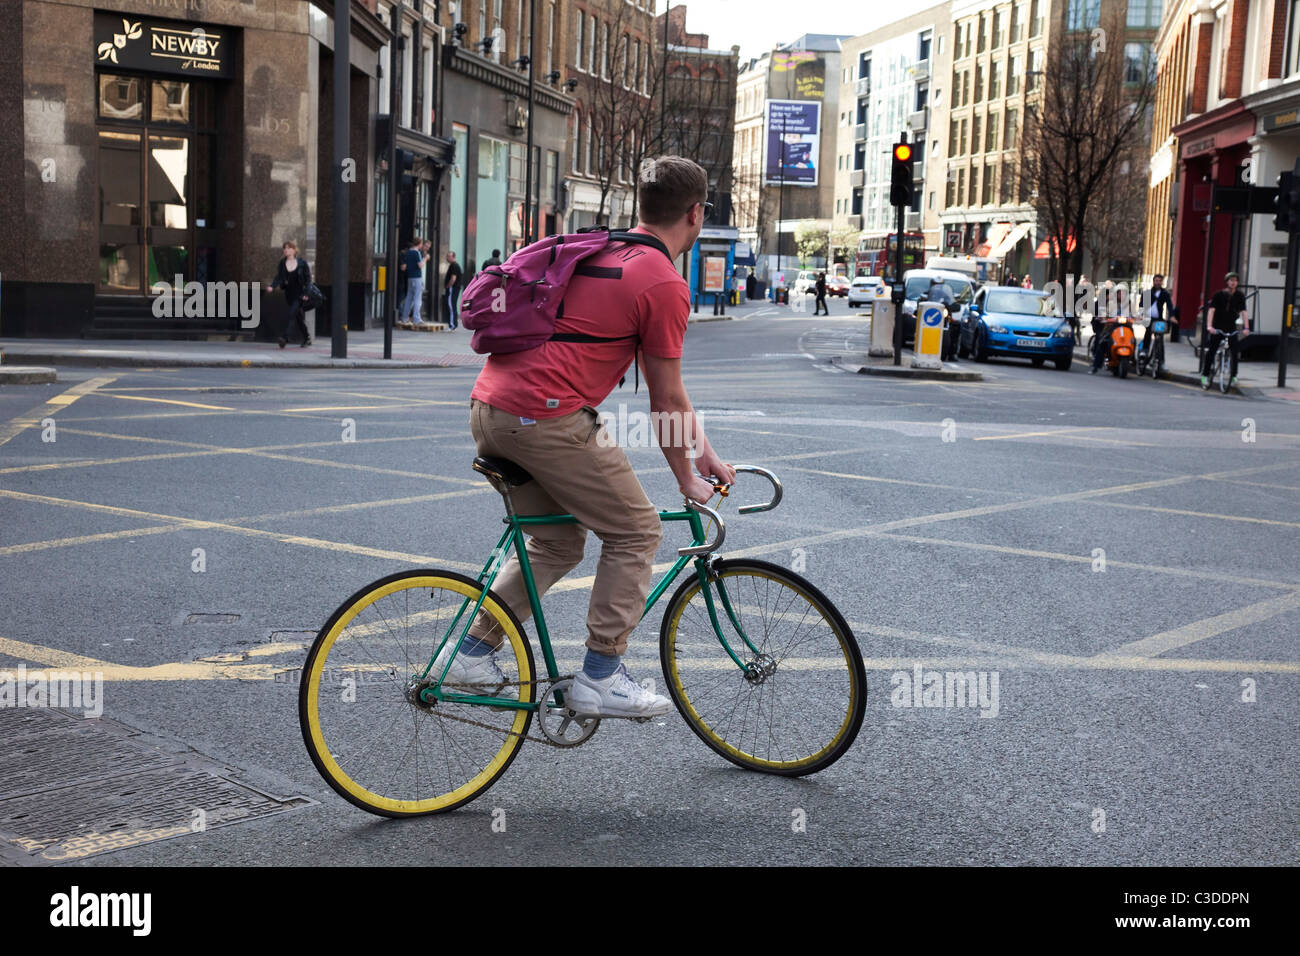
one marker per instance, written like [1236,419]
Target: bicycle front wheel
[801,704]
[374,739]
[1222,370]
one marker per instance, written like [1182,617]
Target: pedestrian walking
[412,267]
[451,288]
[493,260]
[293,275]
[820,288]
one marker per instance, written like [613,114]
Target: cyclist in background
[1228,305]
[537,408]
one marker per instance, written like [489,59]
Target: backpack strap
[641,239]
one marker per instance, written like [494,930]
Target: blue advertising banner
[793,142]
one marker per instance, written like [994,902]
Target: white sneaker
[615,696]
[482,674]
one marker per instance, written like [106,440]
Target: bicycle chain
[511,733]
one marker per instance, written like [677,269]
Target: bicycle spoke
[794,714]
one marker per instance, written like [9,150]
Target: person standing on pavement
[820,288]
[293,275]
[1228,305]
[537,408]
[493,260]
[451,288]
[412,262]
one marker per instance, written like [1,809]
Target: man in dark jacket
[1157,297]
[495,259]
[1228,305]
[451,288]
[821,295]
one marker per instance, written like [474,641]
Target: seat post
[510,505]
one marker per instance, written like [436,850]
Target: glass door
[167,239]
[148,198]
[121,223]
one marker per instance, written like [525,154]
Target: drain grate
[73,788]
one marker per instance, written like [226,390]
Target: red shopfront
[1207,244]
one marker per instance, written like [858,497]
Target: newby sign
[162,46]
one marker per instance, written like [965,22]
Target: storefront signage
[1200,146]
[162,46]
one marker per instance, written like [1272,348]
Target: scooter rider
[1103,324]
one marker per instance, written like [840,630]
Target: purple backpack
[514,306]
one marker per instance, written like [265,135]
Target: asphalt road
[1121,554]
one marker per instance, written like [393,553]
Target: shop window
[169,101]
[120,97]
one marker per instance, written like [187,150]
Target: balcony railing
[921,70]
[918,119]
[857,177]
[860,133]
[862,87]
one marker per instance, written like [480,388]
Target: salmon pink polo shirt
[624,290]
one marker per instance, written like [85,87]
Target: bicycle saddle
[502,469]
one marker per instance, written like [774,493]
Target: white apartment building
[893,80]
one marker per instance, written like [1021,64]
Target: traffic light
[900,180]
[1286,204]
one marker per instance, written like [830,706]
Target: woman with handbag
[294,276]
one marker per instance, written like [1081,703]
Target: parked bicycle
[762,666]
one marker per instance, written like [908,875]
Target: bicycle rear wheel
[365,726]
[799,718]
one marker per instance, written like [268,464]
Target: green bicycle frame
[511,538]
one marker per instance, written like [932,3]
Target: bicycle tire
[763,608]
[1221,369]
[325,718]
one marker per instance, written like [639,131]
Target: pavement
[444,348]
[438,347]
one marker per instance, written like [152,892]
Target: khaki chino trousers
[576,470]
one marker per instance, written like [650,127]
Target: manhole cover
[72,788]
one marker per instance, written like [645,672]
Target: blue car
[1025,323]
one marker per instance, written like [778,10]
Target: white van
[966,265]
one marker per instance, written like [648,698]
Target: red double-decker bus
[875,255]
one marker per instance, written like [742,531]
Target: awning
[1012,238]
[1042,252]
[997,233]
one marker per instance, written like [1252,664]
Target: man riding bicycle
[1160,307]
[537,409]
[1228,305]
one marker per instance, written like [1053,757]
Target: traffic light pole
[1288,306]
[898,278]
[900,194]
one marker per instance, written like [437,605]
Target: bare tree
[1091,110]
[620,97]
